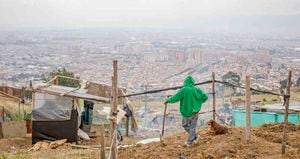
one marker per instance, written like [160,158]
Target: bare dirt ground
[265,144]
[17,148]
[14,144]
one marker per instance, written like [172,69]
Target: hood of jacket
[189,81]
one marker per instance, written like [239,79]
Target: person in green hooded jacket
[191,99]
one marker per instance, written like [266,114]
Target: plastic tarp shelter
[52,102]
[54,114]
[49,107]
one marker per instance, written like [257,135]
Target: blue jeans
[189,124]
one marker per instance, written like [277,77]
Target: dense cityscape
[155,59]
[150,79]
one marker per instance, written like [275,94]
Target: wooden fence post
[127,126]
[102,150]
[3,110]
[19,109]
[247,104]
[1,133]
[214,95]
[114,110]
[286,111]
[56,81]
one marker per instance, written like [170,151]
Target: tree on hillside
[232,78]
[64,81]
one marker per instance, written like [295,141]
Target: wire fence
[150,122]
[161,90]
[198,84]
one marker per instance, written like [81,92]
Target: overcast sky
[141,13]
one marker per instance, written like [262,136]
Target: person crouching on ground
[191,99]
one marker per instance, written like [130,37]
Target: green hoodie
[191,98]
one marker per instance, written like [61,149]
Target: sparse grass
[295,94]
[12,156]
[272,99]
[23,115]
[12,106]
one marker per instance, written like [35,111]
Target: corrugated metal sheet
[70,92]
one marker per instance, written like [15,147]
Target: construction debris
[57,143]
[147,141]
[43,145]
[36,146]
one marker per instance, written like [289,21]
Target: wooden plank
[286,112]
[10,96]
[214,95]
[74,95]
[247,104]
[19,110]
[164,119]
[127,126]
[1,132]
[53,80]
[3,114]
[56,81]
[102,149]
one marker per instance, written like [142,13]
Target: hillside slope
[265,143]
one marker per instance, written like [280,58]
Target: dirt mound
[278,127]
[273,133]
[231,145]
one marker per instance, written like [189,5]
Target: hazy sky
[141,13]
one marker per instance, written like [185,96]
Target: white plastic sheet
[51,108]
[147,141]
[83,135]
[106,111]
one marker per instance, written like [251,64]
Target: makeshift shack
[106,91]
[103,90]
[56,110]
